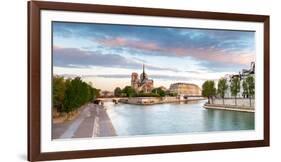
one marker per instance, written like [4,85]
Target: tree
[96,93]
[70,94]
[77,93]
[222,87]
[129,91]
[73,96]
[208,89]
[159,91]
[245,89]
[235,87]
[117,92]
[251,87]
[58,92]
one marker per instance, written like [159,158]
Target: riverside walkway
[92,121]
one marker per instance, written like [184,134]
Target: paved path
[92,121]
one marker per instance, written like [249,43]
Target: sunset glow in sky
[107,54]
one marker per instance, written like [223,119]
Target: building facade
[242,76]
[185,89]
[142,84]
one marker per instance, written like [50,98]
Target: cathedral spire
[143,68]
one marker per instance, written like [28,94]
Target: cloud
[162,36]
[112,76]
[74,57]
[193,72]
[175,77]
[228,47]
[210,54]
[153,76]
[69,57]
[138,44]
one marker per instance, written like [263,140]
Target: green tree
[235,87]
[77,93]
[208,89]
[129,91]
[70,94]
[159,91]
[58,92]
[245,89]
[95,93]
[222,87]
[117,92]
[72,98]
[251,87]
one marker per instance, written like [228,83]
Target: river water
[174,118]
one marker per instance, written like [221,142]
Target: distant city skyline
[107,54]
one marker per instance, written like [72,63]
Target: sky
[107,54]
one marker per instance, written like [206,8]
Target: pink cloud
[114,42]
[215,55]
[209,54]
[130,43]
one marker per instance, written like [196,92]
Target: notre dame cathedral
[142,84]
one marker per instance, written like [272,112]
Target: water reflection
[175,118]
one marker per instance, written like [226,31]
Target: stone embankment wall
[157,100]
[241,102]
[144,100]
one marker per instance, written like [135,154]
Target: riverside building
[242,76]
[185,89]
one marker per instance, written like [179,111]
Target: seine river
[174,118]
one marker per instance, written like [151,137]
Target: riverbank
[229,107]
[232,104]
[92,121]
[62,117]
[157,100]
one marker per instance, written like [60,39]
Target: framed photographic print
[115,80]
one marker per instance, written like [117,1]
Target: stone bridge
[115,100]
